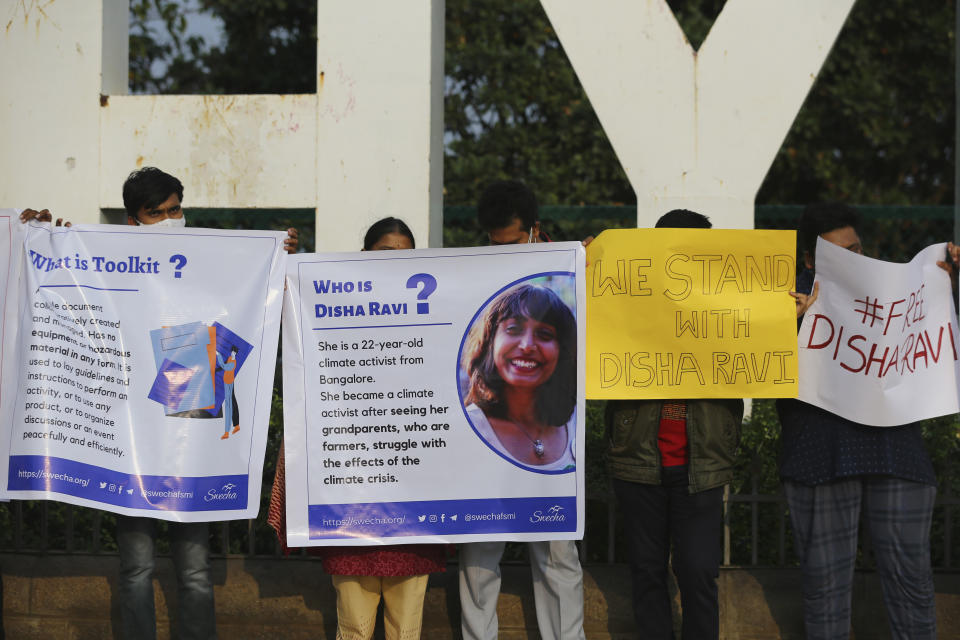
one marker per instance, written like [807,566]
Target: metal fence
[54,528]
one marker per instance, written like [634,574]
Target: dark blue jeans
[190,544]
[656,517]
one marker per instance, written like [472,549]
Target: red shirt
[672,435]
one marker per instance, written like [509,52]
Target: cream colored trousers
[359,596]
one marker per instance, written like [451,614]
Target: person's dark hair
[820,218]
[557,397]
[502,202]
[148,188]
[384,226]
[683,219]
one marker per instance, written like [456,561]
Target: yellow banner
[691,313]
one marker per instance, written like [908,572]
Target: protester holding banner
[362,575]
[832,466]
[669,461]
[153,198]
[507,212]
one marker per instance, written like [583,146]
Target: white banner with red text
[879,345]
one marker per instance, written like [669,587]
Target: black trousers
[656,516]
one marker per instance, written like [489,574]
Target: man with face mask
[153,198]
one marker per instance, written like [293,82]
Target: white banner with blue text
[143,369]
[434,395]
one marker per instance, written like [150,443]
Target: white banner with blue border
[144,369]
[434,395]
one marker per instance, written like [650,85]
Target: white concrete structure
[692,129]
[697,129]
[55,61]
[369,143]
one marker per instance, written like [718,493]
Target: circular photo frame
[517,372]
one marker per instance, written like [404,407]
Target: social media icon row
[434,518]
[114,488]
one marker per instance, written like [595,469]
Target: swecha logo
[553,515]
[225,493]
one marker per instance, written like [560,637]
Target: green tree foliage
[515,109]
[877,127]
[878,124]
[269,46]
[162,58]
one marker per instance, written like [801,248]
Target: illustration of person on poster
[229,402]
[193,380]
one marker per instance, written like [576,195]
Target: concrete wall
[367,144]
[75,597]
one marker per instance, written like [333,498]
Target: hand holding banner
[879,345]
[691,313]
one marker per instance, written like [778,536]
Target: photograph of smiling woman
[523,353]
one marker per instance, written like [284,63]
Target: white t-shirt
[565,462]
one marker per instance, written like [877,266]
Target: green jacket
[713,433]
